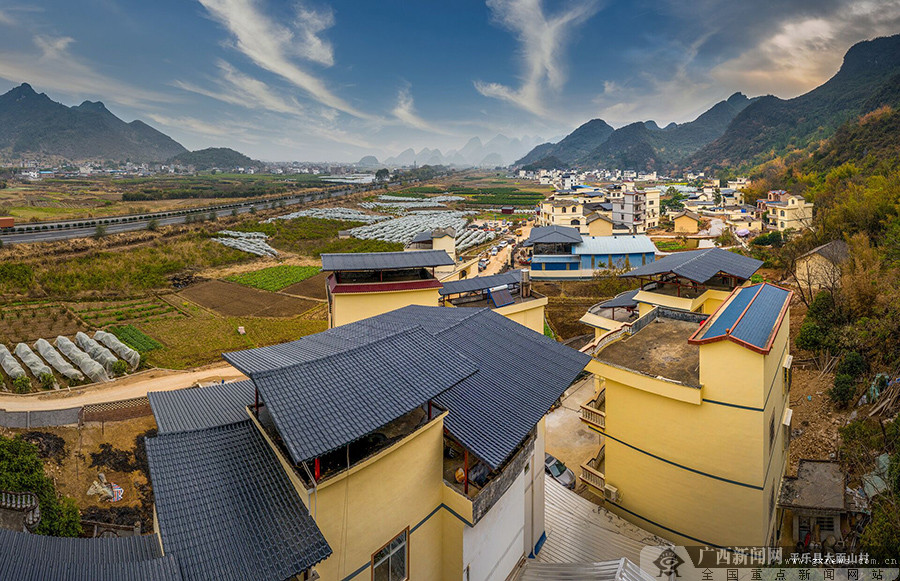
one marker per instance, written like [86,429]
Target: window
[390,562]
[772,433]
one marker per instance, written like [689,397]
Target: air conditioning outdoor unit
[611,493]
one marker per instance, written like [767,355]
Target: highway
[51,231]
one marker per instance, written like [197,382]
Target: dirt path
[125,388]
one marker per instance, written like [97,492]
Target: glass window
[389,564]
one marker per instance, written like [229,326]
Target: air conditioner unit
[611,493]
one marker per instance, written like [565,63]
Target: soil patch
[50,446]
[563,314]
[30,322]
[313,287]
[234,300]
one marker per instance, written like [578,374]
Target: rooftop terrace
[660,349]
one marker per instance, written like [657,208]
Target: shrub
[153,225]
[851,364]
[46,380]
[843,391]
[99,232]
[119,367]
[22,384]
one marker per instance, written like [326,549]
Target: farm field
[275,278]
[313,287]
[31,321]
[136,339]
[101,314]
[233,300]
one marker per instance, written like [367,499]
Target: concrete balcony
[593,412]
[592,472]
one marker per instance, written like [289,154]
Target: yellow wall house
[821,267]
[363,285]
[405,446]
[693,280]
[693,419]
[687,222]
[509,294]
[599,225]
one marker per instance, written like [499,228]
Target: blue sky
[334,80]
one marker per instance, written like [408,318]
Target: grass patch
[275,278]
[136,339]
[314,237]
[203,338]
[670,245]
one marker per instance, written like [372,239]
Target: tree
[382,175]
[153,225]
[99,232]
[843,391]
[717,197]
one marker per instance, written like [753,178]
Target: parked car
[503,244]
[559,472]
[494,251]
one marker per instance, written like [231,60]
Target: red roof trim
[380,287]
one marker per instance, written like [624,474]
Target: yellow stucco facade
[699,464]
[351,307]
[686,224]
[528,313]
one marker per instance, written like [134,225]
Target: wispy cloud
[274,47]
[237,88]
[405,111]
[194,125]
[6,19]
[54,67]
[542,38]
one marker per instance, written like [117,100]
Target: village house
[784,211]
[561,253]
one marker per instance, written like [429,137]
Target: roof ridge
[747,308]
[265,373]
[201,428]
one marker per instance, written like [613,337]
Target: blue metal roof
[356,261]
[480,283]
[751,316]
[606,245]
[31,557]
[227,509]
[201,407]
[701,265]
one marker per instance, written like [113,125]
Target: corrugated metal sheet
[728,317]
[701,265]
[621,570]
[479,283]
[750,315]
[579,531]
[386,260]
[41,558]
[605,245]
[226,508]
[202,407]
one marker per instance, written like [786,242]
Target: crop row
[275,278]
[136,339]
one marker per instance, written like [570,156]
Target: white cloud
[804,52]
[405,111]
[542,40]
[54,67]
[272,46]
[236,88]
[6,19]
[218,129]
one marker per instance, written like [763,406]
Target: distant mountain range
[639,146]
[499,151]
[737,131]
[32,123]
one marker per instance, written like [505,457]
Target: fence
[102,412]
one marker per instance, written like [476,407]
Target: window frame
[405,531]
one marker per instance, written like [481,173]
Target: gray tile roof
[492,410]
[701,265]
[386,260]
[625,299]
[479,283]
[751,316]
[425,236]
[553,235]
[181,410]
[42,558]
[227,509]
[836,251]
[322,404]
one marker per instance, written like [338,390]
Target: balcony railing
[592,413]
[591,473]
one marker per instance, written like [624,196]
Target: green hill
[574,146]
[32,123]
[215,158]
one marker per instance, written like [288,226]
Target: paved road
[63,230]
[120,389]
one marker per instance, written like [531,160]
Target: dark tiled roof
[202,407]
[491,411]
[324,403]
[836,251]
[751,316]
[227,509]
[479,283]
[553,235]
[701,265]
[422,237]
[30,557]
[625,299]
[386,260]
